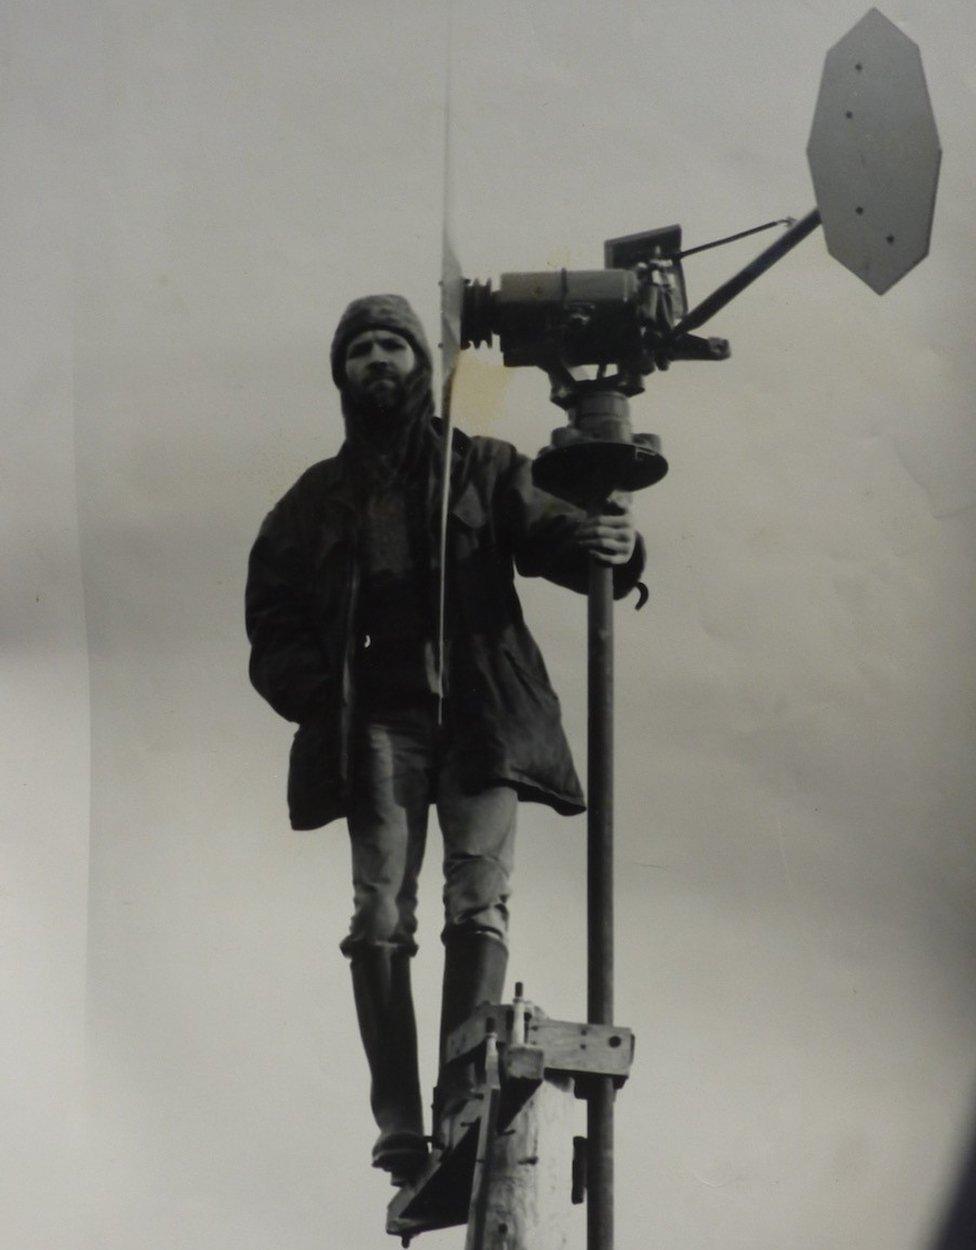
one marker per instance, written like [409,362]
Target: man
[341,604]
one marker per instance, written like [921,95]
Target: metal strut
[745,277]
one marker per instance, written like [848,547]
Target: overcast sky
[191,195]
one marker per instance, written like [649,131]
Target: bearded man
[342,609]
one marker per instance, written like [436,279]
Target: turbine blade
[451,287]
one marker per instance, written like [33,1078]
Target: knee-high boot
[384,1006]
[474,973]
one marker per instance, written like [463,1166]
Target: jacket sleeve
[542,530]
[288,665]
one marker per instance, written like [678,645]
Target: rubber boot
[474,973]
[384,1006]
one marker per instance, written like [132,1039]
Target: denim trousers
[402,763]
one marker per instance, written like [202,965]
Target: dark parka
[301,602]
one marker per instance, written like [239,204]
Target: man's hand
[610,537]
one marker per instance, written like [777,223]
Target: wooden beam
[528,1183]
[505,1164]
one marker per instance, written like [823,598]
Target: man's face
[378,363]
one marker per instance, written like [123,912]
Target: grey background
[191,194]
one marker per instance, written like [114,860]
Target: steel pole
[599,1210]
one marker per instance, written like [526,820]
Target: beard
[382,394]
[387,427]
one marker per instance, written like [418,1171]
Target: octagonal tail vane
[874,153]
[874,157]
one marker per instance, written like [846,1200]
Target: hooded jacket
[301,599]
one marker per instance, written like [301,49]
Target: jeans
[402,763]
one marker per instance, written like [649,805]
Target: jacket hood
[385,446]
[377,312]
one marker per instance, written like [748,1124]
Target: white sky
[192,193]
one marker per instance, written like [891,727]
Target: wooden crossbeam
[534,1064]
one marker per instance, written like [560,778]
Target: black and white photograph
[489,675]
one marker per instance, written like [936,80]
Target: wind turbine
[874,158]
